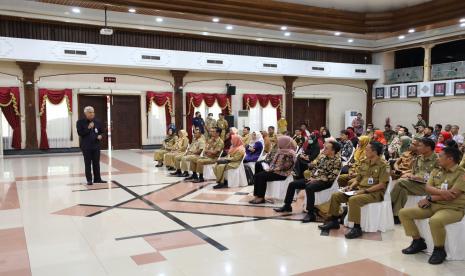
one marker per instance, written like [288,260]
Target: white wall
[340,96]
[448,111]
[401,112]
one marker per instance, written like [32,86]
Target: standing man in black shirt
[90,133]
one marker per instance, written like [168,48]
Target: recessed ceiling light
[337,33]
[411,31]
[76,10]
[462,25]
[462,20]
[401,36]
[287,34]
[132,10]
[229,27]
[283,28]
[205,33]
[260,39]
[159,19]
[215,19]
[350,40]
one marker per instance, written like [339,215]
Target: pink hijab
[236,144]
[286,145]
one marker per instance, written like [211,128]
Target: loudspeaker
[230,120]
[231,90]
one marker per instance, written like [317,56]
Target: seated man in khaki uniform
[444,204]
[414,183]
[210,156]
[182,161]
[231,161]
[462,164]
[404,164]
[370,183]
[167,146]
[179,149]
[246,136]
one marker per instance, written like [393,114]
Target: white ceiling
[359,5]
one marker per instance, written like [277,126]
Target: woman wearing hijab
[311,152]
[319,139]
[254,149]
[179,147]
[353,137]
[354,164]
[166,147]
[443,137]
[231,161]
[280,168]
[378,136]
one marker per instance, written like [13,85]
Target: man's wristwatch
[428,197]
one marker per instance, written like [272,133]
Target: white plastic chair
[236,177]
[208,173]
[252,164]
[325,195]
[455,243]
[276,190]
[412,201]
[377,216]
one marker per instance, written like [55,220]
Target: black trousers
[92,159]
[300,166]
[310,189]
[259,167]
[260,180]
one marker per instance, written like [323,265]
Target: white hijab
[258,138]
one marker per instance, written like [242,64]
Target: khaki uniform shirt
[273,139]
[405,162]
[462,164]
[216,145]
[377,171]
[196,146]
[210,123]
[423,166]
[223,124]
[246,139]
[455,178]
[181,144]
[170,144]
[235,158]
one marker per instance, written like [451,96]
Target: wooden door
[99,102]
[309,111]
[126,122]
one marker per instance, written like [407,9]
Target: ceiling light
[401,36]
[76,10]
[283,28]
[205,33]
[462,25]
[229,27]
[337,33]
[411,31]
[462,20]
[215,19]
[350,40]
[259,39]
[132,10]
[159,19]
[287,34]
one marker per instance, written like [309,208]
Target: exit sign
[109,79]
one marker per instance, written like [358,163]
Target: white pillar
[427,62]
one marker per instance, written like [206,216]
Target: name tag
[96,130]
[444,186]
[371,181]
[426,177]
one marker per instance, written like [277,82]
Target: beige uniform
[422,167]
[246,139]
[213,144]
[235,161]
[195,149]
[166,147]
[440,213]
[223,124]
[179,149]
[374,172]
[462,164]
[209,124]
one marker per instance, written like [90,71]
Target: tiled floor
[147,223]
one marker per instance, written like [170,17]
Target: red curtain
[250,101]
[161,99]
[9,102]
[55,97]
[194,100]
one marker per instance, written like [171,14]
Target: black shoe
[185,174]
[438,257]
[90,183]
[309,217]
[415,247]
[159,165]
[354,233]
[190,178]
[100,181]
[199,180]
[284,209]
[175,173]
[171,169]
[220,186]
[396,220]
[333,224]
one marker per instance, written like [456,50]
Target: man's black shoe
[284,209]
[190,178]
[159,165]
[90,183]
[309,217]
[220,186]
[354,233]
[333,224]
[199,180]
[100,181]
[438,257]
[415,247]
[175,173]
[185,174]
[171,169]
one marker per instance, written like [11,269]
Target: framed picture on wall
[412,91]
[459,88]
[440,89]
[379,93]
[395,91]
